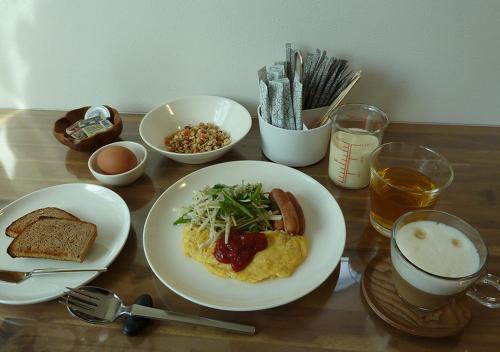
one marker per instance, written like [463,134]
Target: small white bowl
[296,148]
[175,114]
[124,178]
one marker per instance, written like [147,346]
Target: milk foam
[438,249]
[437,253]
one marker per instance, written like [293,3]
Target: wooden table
[332,317]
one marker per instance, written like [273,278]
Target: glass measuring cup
[357,130]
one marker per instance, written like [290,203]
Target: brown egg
[116,160]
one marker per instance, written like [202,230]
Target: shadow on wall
[36,52]
[374,86]
[30,58]
[14,70]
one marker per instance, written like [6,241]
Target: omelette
[284,253]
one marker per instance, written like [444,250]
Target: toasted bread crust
[89,244]
[11,230]
[14,249]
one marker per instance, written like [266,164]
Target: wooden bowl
[91,143]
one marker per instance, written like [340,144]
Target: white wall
[423,60]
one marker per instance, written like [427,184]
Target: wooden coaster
[380,294]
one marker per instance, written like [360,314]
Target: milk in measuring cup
[349,156]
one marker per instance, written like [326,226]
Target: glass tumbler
[404,177]
[357,130]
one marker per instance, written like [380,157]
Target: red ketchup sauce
[240,248]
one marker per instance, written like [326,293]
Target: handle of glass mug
[490,302]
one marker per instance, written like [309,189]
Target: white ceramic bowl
[296,148]
[124,178]
[175,114]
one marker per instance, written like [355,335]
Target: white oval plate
[325,230]
[88,202]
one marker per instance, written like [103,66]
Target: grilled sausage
[278,225]
[300,213]
[290,217]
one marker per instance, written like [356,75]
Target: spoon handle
[154,313]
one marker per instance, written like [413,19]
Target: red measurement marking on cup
[346,160]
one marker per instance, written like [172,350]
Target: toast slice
[52,238]
[14,229]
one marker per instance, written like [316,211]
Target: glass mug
[456,241]
[404,177]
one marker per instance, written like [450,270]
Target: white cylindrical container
[295,148]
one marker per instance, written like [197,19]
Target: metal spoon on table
[99,306]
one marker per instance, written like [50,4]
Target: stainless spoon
[99,306]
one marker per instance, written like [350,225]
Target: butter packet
[87,128]
[93,129]
[78,134]
[89,122]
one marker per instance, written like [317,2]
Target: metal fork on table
[98,306]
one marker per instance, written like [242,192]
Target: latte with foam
[437,258]
[438,248]
[432,262]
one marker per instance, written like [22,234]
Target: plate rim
[241,309]
[93,276]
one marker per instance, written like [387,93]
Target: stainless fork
[97,305]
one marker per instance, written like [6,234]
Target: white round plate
[92,203]
[325,230]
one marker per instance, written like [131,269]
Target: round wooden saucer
[380,294]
